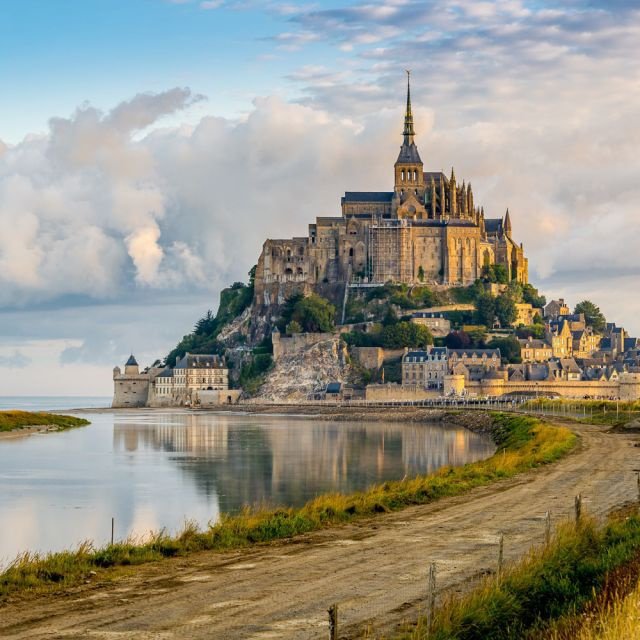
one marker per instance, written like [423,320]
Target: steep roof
[131,362]
[367,196]
[199,361]
[166,373]
[493,225]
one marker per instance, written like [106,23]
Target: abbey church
[427,230]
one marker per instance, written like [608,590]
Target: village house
[434,321]
[534,350]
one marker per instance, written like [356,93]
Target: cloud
[17,360]
[211,4]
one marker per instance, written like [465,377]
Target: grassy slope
[10,420]
[523,442]
[605,412]
[550,583]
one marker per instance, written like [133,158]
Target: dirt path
[376,570]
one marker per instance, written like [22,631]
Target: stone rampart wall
[285,346]
[396,392]
[130,391]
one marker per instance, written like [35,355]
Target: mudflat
[376,569]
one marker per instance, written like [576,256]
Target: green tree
[294,327]
[530,294]
[509,349]
[485,309]
[506,310]
[594,318]
[314,314]
[406,334]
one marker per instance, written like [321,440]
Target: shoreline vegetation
[523,442]
[26,422]
[583,585]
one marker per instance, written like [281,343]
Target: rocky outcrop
[297,375]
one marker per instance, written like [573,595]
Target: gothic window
[415,176]
[402,175]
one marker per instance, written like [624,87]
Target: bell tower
[409,175]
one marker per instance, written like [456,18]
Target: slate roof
[493,225]
[131,362]
[478,352]
[199,361]
[334,387]
[367,196]
[409,153]
[166,373]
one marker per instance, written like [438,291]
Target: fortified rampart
[291,345]
[627,388]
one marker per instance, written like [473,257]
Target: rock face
[296,375]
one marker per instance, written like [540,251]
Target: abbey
[427,230]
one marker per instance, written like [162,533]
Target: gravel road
[376,570]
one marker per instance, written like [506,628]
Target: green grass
[523,442]
[604,412]
[549,583]
[10,420]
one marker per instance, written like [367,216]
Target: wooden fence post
[113,520]
[333,622]
[431,601]
[578,507]
[500,555]
[547,527]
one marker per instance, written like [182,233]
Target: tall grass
[10,420]
[549,583]
[523,442]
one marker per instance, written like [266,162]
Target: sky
[149,147]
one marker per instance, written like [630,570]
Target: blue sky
[105,51]
[148,147]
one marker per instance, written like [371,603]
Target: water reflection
[153,470]
[286,461]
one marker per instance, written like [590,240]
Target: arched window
[351,252]
[415,175]
[402,175]
[288,253]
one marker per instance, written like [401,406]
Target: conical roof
[131,362]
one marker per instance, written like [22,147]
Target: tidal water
[156,469]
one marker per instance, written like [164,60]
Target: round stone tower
[131,367]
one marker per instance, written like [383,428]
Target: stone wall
[130,391]
[397,393]
[371,358]
[291,345]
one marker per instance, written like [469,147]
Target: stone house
[534,350]
[434,321]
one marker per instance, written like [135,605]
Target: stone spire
[408,132]
[507,223]
[463,199]
[470,208]
[453,199]
[433,198]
